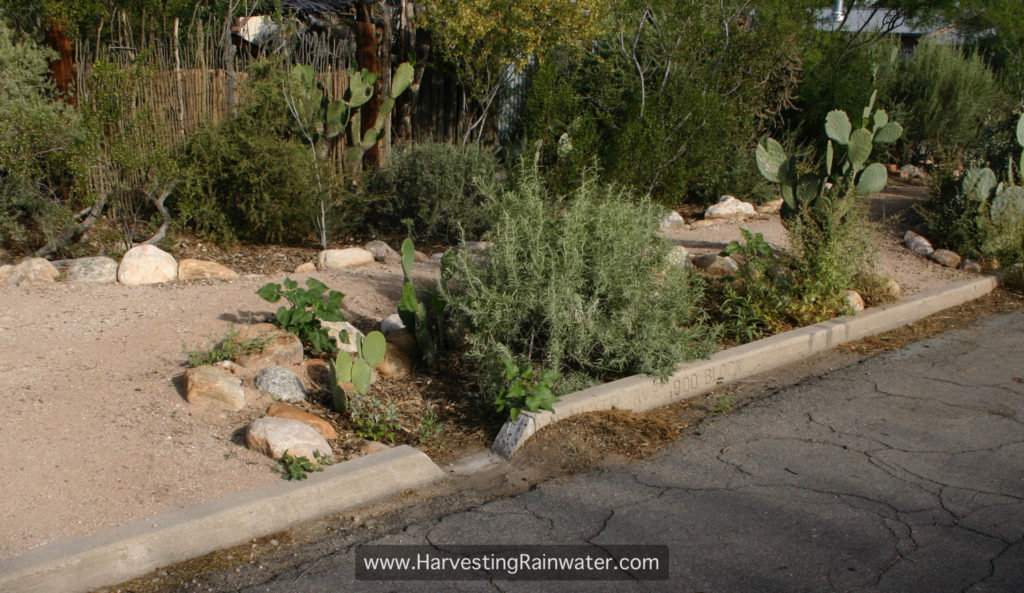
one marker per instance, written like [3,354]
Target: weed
[430,428]
[374,419]
[525,391]
[723,405]
[229,347]
[297,468]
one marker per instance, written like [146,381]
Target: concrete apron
[639,392]
[120,554]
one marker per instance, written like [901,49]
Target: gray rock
[33,269]
[948,258]
[717,265]
[274,436]
[340,259]
[971,265]
[729,207]
[391,323]
[383,252]
[214,387]
[281,385]
[672,220]
[92,269]
[147,264]
[918,244]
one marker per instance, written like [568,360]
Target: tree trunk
[366,57]
[63,68]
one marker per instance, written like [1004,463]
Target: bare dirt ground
[95,429]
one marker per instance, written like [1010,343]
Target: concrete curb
[121,554]
[639,393]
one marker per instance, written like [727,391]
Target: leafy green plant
[298,468]
[307,309]
[228,347]
[723,405]
[524,391]
[578,284]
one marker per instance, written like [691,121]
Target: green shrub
[39,140]
[248,178]
[671,100]
[577,285]
[947,98]
[432,190]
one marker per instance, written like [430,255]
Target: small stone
[230,366]
[420,257]
[717,265]
[147,264]
[274,436]
[395,364]
[854,301]
[436,257]
[383,252]
[672,220]
[306,268]
[33,269]
[948,258]
[404,341]
[391,323]
[197,269]
[918,244]
[971,265]
[92,269]
[702,224]
[371,447]
[279,410]
[334,329]
[340,259]
[212,387]
[772,207]
[679,257]
[729,207]
[281,385]
[909,172]
[280,348]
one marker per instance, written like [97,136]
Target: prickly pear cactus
[845,171]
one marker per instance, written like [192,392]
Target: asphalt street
[902,473]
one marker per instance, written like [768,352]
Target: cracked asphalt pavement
[902,473]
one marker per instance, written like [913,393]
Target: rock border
[121,554]
[640,392]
